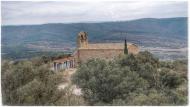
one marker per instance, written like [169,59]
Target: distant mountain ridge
[172,27]
[164,32]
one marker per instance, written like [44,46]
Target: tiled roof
[63,59]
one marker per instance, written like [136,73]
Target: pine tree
[125,49]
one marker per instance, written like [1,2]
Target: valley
[166,38]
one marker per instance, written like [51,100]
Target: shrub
[131,80]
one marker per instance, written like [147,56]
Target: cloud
[14,13]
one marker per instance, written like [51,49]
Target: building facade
[63,63]
[86,51]
[105,51]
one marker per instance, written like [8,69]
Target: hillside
[166,33]
[132,80]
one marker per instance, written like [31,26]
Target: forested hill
[143,32]
[170,27]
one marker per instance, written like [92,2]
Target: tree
[132,80]
[125,47]
[103,81]
[127,80]
[25,83]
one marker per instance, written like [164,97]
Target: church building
[86,50]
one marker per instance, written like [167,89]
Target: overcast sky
[19,13]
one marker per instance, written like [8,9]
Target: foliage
[125,48]
[31,82]
[127,80]
[133,80]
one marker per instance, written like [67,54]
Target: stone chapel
[86,50]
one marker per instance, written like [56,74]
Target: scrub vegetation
[133,80]
[127,80]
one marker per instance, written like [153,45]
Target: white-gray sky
[23,12]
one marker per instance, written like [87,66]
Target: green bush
[132,80]
[127,80]
[29,83]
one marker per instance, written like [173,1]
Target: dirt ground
[67,76]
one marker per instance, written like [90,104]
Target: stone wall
[134,49]
[107,54]
[85,54]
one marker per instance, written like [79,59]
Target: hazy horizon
[37,13]
[90,22]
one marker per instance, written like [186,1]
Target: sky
[29,13]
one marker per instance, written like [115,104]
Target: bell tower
[82,40]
